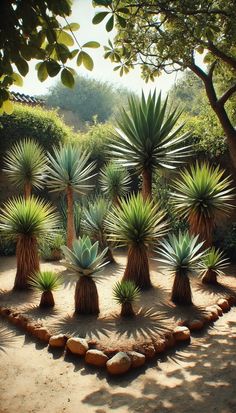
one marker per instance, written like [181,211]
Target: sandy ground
[155,312]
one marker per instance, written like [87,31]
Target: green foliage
[45,281]
[226,240]
[48,247]
[30,217]
[115,180]
[68,166]
[7,247]
[25,164]
[136,222]
[214,260]
[126,292]
[180,252]
[146,138]
[94,220]
[84,258]
[77,216]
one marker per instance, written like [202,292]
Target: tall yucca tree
[94,223]
[204,196]
[181,255]
[25,166]
[138,224]
[213,265]
[69,171]
[115,181]
[85,261]
[148,138]
[26,221]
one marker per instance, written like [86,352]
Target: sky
[83,13]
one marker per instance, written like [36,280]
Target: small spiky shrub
[50,250]
[212,265]
[138,224]
[204,197]
[47,282]
[25,166]
[85,261]
[126,293]
[181,255]
[27,221]
[115,181]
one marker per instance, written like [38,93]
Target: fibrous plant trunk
[47,299]
[27,259]
[70,217]
[56,254]
[127,310]
[137,267]
[147,184]
[181,290]
[27,190]
[202,226]
[86,296]
[109,256]
[210,277]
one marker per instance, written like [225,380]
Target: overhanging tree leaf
[67,78]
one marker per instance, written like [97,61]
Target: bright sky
[83,13]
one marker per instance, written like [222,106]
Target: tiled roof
[22,98]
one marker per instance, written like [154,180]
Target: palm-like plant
[138,224]
[94,223]
[126,293]
[46,281]
[212,265]
[26,221]
[204,197]
[115,181]
[25,165]
[85,260]
[69,171]
[146,138]
[181,255]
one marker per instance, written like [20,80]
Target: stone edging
[120,362]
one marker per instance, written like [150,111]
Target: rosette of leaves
[46,282]
[212,265]
[126,293]
[115,181]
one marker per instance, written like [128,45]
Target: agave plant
[204,197]
[25,166]
[94,223]
[26,221]
[212,265]
[85,261]
[115,181]
[146,139]
[138,224]
[125,293]
[181,255]
[69,171]
[46,281]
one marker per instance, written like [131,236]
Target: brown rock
[147,349]
[77,345]
[137,359]
[207,317]
[195,325]
[170,339]
[219,309]
[96,358]
[42,334]
[160,346]
[181,333]
[231,300]
[119,364]
[214,313]
[223,304]
[5,312]
[58,340]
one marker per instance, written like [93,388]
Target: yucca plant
[126,293]
[85,260]
[138,224]
[203,196]
[212,265]
[47,282]
[146,139]
[115,181]
[77,216]
[181,255]
[69,171]
[50,250]
[25,166]
[26,221]
[94,223]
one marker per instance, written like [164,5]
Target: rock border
[118,362]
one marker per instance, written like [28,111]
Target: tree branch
[223,99]
[217,52]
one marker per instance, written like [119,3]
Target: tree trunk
[147,184]
[27,261]
[202,226]
[70,217]
[47,299]
[86,296]
[137,267]
[210,277]
[181,290]
[127,310]
[27,190]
